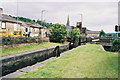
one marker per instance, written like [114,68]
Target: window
[3,25]
[15,27]
[35,29]
[26,29]
[23,29]
[31,29]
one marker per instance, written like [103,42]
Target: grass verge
[88,61]
[6,52]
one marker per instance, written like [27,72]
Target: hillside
[32,21]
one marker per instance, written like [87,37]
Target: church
[68,27]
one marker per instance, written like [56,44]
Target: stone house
[8,24]
[92,33]
[31,30]
[35,29]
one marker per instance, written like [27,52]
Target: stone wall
[107,48]
[13,42]
[15,62]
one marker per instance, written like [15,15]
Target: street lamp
[42,15]
[81,17]
[17,15]
[41,20]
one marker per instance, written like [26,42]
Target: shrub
[58,33]
[102,33]
[74,37]
[116,45]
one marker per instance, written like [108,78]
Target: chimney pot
[1,11]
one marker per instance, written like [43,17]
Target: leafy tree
[102,33]
[116,45]
[74,34]
[58,33]
[74,37]
[118,34]
[33,20]
[110,35]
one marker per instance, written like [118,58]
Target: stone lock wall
[15,62]
[18,61]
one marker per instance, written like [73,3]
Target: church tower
[68,21]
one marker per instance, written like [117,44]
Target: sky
[95,15]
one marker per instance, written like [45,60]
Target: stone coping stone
[31,52]
[23,54]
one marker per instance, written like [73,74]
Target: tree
[110,35]
[48,25]
[118,34]
[33,20]
[74,36]
[116,45]
[58,33]
[102,33]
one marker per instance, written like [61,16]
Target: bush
[76,42]
[116,45]
[102,33]
[58,33]
[74,37]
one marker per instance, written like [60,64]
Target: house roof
[7,18]
[30,25]
[35,25]
[93,32]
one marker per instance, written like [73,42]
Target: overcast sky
[96,15]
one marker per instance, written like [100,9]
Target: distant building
[83,30]
[68,27]
[79,25]
[68,22]
[92,33]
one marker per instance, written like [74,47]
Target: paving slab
[14,74]
[29,69]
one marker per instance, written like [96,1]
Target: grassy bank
[6,52]
[88,61]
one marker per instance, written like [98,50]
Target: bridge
[103,41]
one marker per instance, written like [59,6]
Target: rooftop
[7,18]
[94,32]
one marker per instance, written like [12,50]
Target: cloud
[60,0]
[96,15]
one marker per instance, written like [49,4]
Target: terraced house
[11,25]
[8,24]
[92,33]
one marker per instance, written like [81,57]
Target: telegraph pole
[17,15]
[41,21]
[42,15]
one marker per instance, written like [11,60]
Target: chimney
[1,11]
